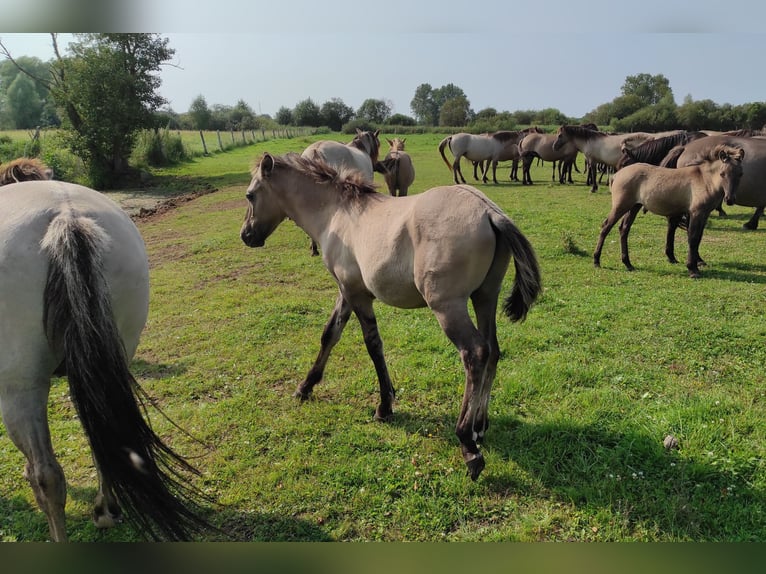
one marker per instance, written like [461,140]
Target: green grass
[607,364]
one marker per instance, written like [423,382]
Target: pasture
[607,364]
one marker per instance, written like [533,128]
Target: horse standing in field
[74,291]
[397,169]
[596,146]
[752,190]
[492,148]
[655,150]
[360,154]
[438,248]
[694,191]
[540,145]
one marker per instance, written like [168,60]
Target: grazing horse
[540,145]
[24,169]
[596,146]
[397,169]
[360,154]
[694,191]
[751,191]
[438,248]
[74,292]
[492,148]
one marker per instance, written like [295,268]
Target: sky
[504,54]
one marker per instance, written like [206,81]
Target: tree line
[102,93]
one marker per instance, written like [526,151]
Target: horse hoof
[383,415]
[475,466]
[302,395]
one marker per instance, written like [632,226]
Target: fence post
[220,143]
[204,147]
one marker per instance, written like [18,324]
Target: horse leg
[593,179]
[694,232]
[753,221]
[333,329]
[106,510]
[525,167]
[457,171]
[625,226]
[24,411]
[475,353]
[363,310]
[553,172]
[476,166]
[670,238]
[514,175]
[494,171]
[606,227]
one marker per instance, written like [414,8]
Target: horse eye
[249,195]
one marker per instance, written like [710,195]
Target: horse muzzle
[252,239]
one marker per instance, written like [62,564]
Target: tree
[307,113]
[400,120]
[199,113]
[284,116]
[374,111]
[423,105]
[107,91]
[23,104]
[648,89]
[335,113]
[455,112]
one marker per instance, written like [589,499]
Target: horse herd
[77,297]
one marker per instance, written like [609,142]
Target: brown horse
[596,146]
[24,169]
[540,145]
[397,169]
[751,191]
[440,249]
[694,190]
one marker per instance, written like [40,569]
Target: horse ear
[389,142]
[267,164]
[359,132]
[376,132]
[404,140]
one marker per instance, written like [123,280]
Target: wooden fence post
[204,147]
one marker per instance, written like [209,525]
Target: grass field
[607,364]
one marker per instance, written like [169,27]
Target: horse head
[562,137]
[730,171]
[263,213]
[368,142]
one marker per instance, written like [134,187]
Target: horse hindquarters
[139,471]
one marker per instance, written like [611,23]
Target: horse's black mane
[350,183]
[358,142]
[583,132]
[653,151]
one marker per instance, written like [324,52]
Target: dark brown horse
[694,190]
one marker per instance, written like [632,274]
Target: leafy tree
[455,112]
[424,106]
[648,89]
[107,88]
[23,103]
[400,120]
[374,111]
[698,115]
[335,113]
[284,116]
[307,113]
[242,116]
[199,113]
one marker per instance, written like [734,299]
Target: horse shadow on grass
[25,522]
[632,475]
[626,472]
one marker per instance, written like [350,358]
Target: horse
[361,153]
[751,191]
[653,151]
[438,248]
[24,169]
[540,145]
[597,146]
[694,191]
[75,292]
[397,169]
[492,148]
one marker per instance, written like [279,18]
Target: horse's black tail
[145,475]
[527,283]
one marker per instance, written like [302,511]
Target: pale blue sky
[507,55]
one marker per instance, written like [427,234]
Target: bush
[158,148]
